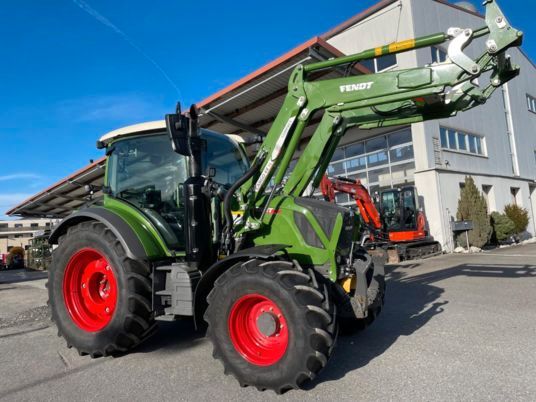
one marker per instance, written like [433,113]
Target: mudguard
[126,235]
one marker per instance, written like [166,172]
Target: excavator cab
[399,209]
[401,215]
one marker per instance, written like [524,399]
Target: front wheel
[271,324]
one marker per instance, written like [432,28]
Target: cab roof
[146,128]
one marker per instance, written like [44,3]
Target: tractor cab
[144,171]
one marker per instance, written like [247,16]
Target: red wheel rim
[258,330]
[90,290]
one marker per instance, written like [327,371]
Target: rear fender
[127,236]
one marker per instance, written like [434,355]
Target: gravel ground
[454,327]
[30,316]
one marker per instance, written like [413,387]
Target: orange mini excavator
[394,222]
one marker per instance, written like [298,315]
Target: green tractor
[188,227]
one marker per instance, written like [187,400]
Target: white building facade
[494,143]
[18,233]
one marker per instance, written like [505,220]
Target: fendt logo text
[356,87]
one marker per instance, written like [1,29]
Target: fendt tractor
[187,227]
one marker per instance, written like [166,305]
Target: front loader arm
[375,100]
[358,192]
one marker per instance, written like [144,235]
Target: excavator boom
[358,192]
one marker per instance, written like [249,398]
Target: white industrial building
[18,233]
[494,143]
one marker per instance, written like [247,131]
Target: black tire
[131,322]
[306,306]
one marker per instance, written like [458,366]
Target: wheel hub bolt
[107,309]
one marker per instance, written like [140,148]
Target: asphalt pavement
[454,327]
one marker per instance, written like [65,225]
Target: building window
[531,103]
[3,226]
[18,236]
[514,191]
[384,161]
[47,224]
[18,225]
[438,55]
[461,141]
[34,225]
[380,63]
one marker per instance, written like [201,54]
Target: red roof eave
[277,62]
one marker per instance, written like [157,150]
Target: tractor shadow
[10,276]
[172,337]
[411,302]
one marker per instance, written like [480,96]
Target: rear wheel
[272,325]
[99,298]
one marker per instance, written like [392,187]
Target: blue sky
[72,70]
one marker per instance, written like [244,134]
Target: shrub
[518,215]
[472,207]
[503,226]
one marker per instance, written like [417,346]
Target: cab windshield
[146,172]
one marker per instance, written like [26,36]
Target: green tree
[472,207]
[520,217]
[503,226]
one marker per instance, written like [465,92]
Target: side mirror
[177,126]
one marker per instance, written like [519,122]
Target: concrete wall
[524,121]
[391,24]
[443,189]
